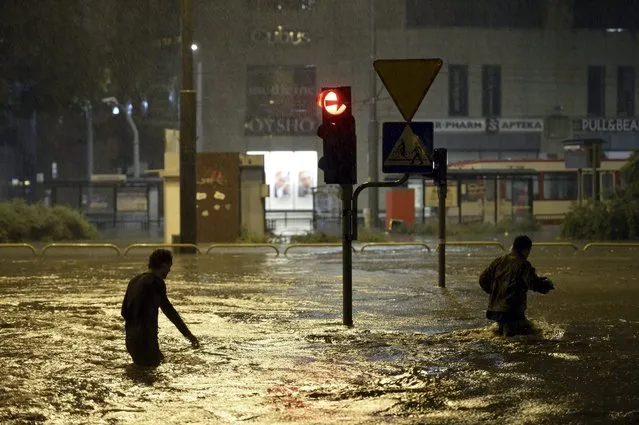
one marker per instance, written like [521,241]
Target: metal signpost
[407,148]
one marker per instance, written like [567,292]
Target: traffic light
[440,166]
[339,162]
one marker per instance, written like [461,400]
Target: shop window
[560,186]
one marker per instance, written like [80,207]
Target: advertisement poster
[280,101]
[291,177]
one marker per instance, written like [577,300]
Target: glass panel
[521,200]
[607,185]
[560,186]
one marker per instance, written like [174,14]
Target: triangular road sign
[408,150]
[407,81]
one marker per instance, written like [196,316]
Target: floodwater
[274,350]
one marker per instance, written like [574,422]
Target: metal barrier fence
[314,245]
[556,244]
[20,245]
[161,245]
[396,244]
[611,245]
[475,243]
[288,247]
[81,245]
[244,245]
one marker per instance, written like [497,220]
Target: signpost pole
[595,157]
[440,179]
[347,253]
[580,186]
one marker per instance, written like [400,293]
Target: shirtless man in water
[144,295]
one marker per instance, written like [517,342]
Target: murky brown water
[274,351]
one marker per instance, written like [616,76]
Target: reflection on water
[273,348]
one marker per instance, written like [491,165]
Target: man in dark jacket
[508,279]
[144,295]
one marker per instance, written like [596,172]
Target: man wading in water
[144,295]
[508,279]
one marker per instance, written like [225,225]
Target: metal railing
[314,245]
[20,245]
[161,245]
[475,243]
[556,244]
[81,245]
[610,245]
[395,244]
[278,250]
[244,245]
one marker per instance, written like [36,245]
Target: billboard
[291,177]
[280,101]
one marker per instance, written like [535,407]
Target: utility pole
[188,213]
[373,146]
[88,111]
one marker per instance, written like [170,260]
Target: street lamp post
[88,113]
[188,132]
[136,135]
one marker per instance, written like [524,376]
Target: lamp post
[136,135]
[88,113]
[199,144]
[188,132]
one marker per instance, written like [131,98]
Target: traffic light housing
[339,160]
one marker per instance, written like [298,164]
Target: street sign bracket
[367,185]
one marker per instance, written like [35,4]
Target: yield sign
[407,81]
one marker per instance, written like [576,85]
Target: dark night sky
[607,14]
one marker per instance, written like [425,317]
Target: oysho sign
[280,36]
[281,126]
[610,125]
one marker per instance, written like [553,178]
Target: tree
[53,60]
[616,218]
[630,171]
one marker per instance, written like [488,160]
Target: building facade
[518,77]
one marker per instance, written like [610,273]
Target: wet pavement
[274,350]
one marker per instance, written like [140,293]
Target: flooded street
[273,349]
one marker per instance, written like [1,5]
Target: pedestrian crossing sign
[407,147]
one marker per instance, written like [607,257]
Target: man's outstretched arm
[174,317]
[535,283]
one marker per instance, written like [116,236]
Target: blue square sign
[407,147]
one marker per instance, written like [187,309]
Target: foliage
[363,235]
[52,56]
[20,222]
[616,218]
[613,219]
[61,53]
[315,237]
[369,235]
[456,229]
[247,236]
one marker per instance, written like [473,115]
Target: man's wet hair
[160,257]
[522,243]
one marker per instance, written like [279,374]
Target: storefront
[620,135]
[489,138]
